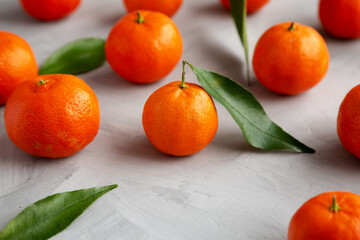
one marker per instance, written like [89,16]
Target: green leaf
[51,215]
[80,56]
[257,127]
[238,11]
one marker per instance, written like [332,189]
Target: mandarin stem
[292,27]
[335,206]
[41,82]
[140,18]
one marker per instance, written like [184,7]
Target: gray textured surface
[227,191]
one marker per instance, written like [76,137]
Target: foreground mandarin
[17,64]
[168,7]
[49,10]
[144,46]
[290,58]
[328,216]
[180,119]
[52,116]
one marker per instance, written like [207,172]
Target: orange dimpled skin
[290,58]
[168,7]
[52,116]
[180,121]
[341,18]
[144,46]
[328,216]
[348,122]
[49,9]
[17,64]
[251,5]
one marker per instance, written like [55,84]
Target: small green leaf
[51,215]
[238,11]
[80,56]
[257,127]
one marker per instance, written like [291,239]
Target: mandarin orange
[328,216]
[341,18]
[180,119]
[17,64]
[251,5]
[168,7]
[290,58]
[52,116]
[348,122]
[144,46]
[49,10]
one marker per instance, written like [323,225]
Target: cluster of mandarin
[57,115]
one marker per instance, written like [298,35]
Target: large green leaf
[238,11]
[80,56]
[51,215]
[257,127]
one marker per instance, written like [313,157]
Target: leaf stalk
[182,84]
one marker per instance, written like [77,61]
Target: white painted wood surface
[229,190]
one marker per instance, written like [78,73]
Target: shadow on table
[9,152]
[329,151]
[330,38]
[227,62]
[213,9]
[232,140]
[335,156]
[15,14]
[110,19]
[142,150]
[105,79]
